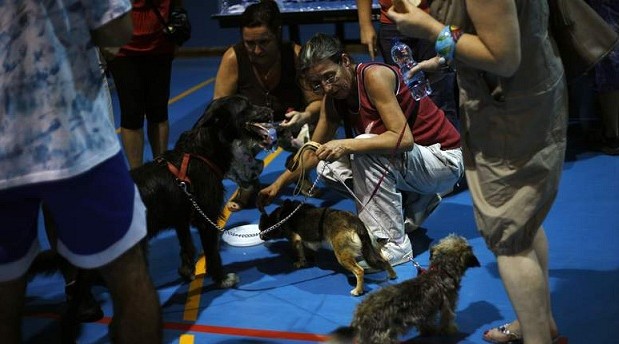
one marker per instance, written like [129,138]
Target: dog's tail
[370,253]
[342,335]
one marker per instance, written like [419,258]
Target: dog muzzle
[267,131]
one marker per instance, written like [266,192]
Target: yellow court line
[190,91]
[186,339]
[192,305]
[184,94]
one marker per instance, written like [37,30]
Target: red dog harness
[181,174]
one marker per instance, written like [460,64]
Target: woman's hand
[266,196]
[332,150]
[413,21]
[429,65]
[295,119]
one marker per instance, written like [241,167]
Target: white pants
[409,191]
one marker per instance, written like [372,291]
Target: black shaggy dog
[193,172]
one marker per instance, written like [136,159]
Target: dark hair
[319,48]
[265,12]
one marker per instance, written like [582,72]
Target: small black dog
[419,302]
[197,165]
[309,226]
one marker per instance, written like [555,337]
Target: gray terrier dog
[419,302]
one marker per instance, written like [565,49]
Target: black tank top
[287,94]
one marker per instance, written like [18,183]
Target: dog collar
[181,173]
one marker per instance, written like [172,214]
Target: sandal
[241,198]
[503,335]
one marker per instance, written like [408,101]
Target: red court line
[230,331]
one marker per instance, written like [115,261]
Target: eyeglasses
[318,86]
[262,43]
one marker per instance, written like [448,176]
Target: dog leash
[417,266]
[287,217]
[298,161]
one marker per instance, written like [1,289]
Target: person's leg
[417,208]
[19,246]
[137,315]
[337,175]
[129,87]
[158,134]
[156,72]
[526,284]
[115,218]
[381,211]
[11,305]
[78,295]
[540,247]
[430,173]
[133,145]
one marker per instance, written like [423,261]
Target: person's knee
[132,122]
[157,118]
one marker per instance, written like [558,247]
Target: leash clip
[417,266]
[181,184]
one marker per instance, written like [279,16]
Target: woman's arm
[325,130]
[312,109]
[496,46]
[227,77]
[367,31]
[380,84]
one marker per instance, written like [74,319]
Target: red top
[430,126]
[148,37]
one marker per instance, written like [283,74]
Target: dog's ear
[222,112]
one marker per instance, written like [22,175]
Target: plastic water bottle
[402,55]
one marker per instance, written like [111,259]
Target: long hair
[264,13]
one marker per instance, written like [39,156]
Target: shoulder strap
[158,14]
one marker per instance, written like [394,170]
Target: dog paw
[186,273]
[356,292]
[229,281]
[451,329]
[300,264]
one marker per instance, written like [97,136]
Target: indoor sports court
[274,303]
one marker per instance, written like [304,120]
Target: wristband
[445,45]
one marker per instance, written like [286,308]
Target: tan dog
[310,226]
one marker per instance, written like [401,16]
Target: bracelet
[445,45]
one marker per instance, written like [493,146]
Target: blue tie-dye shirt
[54,106]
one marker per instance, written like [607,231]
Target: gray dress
[513,131]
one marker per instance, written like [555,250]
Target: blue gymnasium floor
[274,303]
